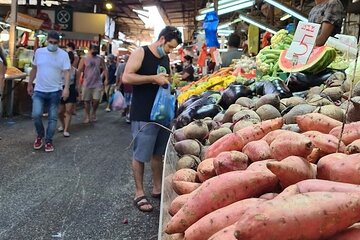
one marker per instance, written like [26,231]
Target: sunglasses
[53,42]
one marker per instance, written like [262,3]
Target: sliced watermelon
[319,59]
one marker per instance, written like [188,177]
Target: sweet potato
[293,127]
[257,150]
[327,143]
[260,166]
[291,144]
[258,131]
[229,142]
[218,133]
[318,185]
[270,137]
[315,215]
[218,192]
[352,233]
[224,234]
[230,161]
[219,219]
[206,170]
[177,203]
[340,168]
[316,122]
[182,187]
[176,236]
[291,170]
[350,134]
[188,146]
[289,191]
[185,174]
[268,196]
[353,147]
[315,155]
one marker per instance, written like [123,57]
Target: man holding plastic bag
[148,70]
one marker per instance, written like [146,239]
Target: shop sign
[303,42]
[27,21]
[64,18]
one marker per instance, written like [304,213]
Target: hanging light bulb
[4,36]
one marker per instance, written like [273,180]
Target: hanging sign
[303,42]
[64,18]
[27,21]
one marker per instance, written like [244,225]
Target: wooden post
[12,40]
[195,13]
[216,5]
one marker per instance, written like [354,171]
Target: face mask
[161,51]
[52,47]
[94,53]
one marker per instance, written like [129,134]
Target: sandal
[138,204]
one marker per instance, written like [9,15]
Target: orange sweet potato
[182,187]
[219,219]
[206,170]
[327,143]
[315,215]
[353,147]
[229,142]
[317,122]
[225,234]
[257,150]
[230,161]
[176,236]
[270,137]
[177,203]
[260,166]
[291,170]
[289,191]
[291,144]
[350,134]
[340,168]
[315,155]
[218,192]
[268,196]
[185,174]
[352,233]
[318,185]
[258,131]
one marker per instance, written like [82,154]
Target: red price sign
[303,42]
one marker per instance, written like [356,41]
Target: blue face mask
[161,51]
[52,47]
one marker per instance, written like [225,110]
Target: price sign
[217,57]
[303,42]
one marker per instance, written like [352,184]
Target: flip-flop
[156,195]
[138,204]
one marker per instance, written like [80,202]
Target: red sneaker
[49,147]
[38,143]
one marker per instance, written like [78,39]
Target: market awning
[78,43]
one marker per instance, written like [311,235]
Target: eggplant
[298,82]
[187,103]
[281,88]
[210,110]
[232,93]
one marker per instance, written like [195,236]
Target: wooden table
[8,98]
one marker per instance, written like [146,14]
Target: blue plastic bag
[117,101]
[210,25]
[163,110]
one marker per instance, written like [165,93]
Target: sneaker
[60,129]
[49,147]
[38,143]
[108,109]
[66,134]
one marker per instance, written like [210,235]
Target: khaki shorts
[89,94]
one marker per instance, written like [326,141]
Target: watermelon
[319,59]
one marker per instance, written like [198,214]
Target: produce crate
[167,194]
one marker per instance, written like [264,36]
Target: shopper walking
[233,51]
[70,47]
[2,74]
[92,66]
[127,88]
[50,64]
[110,84]
[66,106]
[148,69]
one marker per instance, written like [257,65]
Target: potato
[219,117]
[272,99]
[188,161]
[314,91]
[297,111]
[246,115]
[233,108]
[188,146]
[198,129]
[226,125]
[334,93]
[317,100]
[218,133]
[267,112]
[245,102]
[353,114]
[291,127]
[293,101]
[332,111]
[243,124]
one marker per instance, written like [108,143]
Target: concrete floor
[83,190]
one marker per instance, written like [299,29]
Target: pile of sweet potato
[265,182]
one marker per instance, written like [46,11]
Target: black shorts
[72,95]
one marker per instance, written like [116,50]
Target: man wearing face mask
[50,64]
[92,66]
[188,72]
[148,68]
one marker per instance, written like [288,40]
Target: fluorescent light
[286,9]
[225,25]
[122,49]
[256,23]
[18,28]
[142,12]
[222,6]
[285,17]
[244,4]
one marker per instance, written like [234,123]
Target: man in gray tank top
[148,68]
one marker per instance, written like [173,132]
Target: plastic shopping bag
[163,110]
[117,101]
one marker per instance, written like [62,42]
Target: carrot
[317,122]
[291,170]
[185,174]
[218,192]
[177,203]
[257,150]
[350,134]
[182,187]
[315,215]
[219,219]
[290,144]
[340,168]
[206,170]
[229,142]
[270,137]
[258,131]
[230,161]
[353,147]
[327,143]
[268,196]
[352,233]
[224,234]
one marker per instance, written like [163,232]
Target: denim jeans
[52,101]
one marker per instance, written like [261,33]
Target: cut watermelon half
[319,59]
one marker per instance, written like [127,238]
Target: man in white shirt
[50,65]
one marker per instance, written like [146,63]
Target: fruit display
[281,40]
